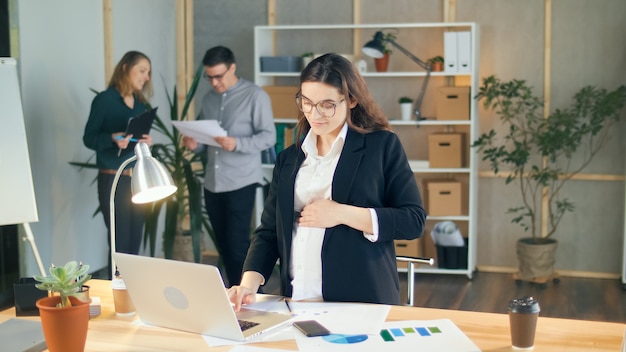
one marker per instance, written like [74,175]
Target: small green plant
[307,54]
[386,44]
[434,59]
[67,280]
[404,100]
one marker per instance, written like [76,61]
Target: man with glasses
[233,170]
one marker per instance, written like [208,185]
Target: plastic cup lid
[524,305]
[118,284]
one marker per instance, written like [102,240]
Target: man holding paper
[233,170]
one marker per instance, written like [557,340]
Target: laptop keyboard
[245,325]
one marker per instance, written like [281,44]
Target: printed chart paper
[414,335]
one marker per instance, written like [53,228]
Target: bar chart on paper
[423,335]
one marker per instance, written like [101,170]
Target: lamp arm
[420,97]
[112,209]
[426,66]
[417,60]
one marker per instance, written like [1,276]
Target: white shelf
[277,40]
[373,74]
[403,122]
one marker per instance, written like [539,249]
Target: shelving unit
[424,40]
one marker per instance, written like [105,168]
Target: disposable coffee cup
[523,313]
[123,305]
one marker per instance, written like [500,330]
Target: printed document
[203,131]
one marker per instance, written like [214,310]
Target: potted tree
[406,107]
[64,317]
[436,63]
[537,153]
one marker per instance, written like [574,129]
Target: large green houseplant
[541,154]
[186,169]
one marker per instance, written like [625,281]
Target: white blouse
[314,181]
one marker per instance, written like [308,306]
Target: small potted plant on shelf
[540,155]
[64,317]
[382,64]
[406,107]
[436,63]
[306,58]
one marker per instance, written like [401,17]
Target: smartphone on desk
[311,328]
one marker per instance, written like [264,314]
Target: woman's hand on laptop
[245,293]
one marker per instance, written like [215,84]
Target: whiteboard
[17,196]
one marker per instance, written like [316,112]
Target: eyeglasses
[216,77]
[324,108]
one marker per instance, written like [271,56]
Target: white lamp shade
[151,180]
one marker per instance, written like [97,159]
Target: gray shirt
[245,112]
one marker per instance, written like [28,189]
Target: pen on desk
[287,304]
[130,140]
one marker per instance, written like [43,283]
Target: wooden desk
[489,331]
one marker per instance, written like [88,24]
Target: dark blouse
[109,114]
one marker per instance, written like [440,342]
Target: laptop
[190,297]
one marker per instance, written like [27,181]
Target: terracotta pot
[437,66]
[536,260]
[382,64]
[65,329]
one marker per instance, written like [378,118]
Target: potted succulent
[537,153]
[436,63]
[64,317]
[406,107]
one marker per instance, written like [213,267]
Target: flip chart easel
[17,195]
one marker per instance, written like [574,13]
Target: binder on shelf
[450,52]
[464,52]
[285,136]
[268,156]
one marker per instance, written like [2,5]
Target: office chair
[411,273]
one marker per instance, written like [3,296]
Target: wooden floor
[571,298]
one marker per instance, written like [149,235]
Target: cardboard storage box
[283,101]
[281,63]
[446,150]
[453,103]
[408,248]
[443,198]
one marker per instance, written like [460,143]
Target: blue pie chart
[344,339]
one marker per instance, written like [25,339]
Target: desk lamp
[150,182]
[375,48]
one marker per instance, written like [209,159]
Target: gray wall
[584,32]
[61,56]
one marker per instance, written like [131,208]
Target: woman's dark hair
[121,76]
[337,71]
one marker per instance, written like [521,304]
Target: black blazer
[372,172]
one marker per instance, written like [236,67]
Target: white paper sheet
[203,131]
[339,318]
